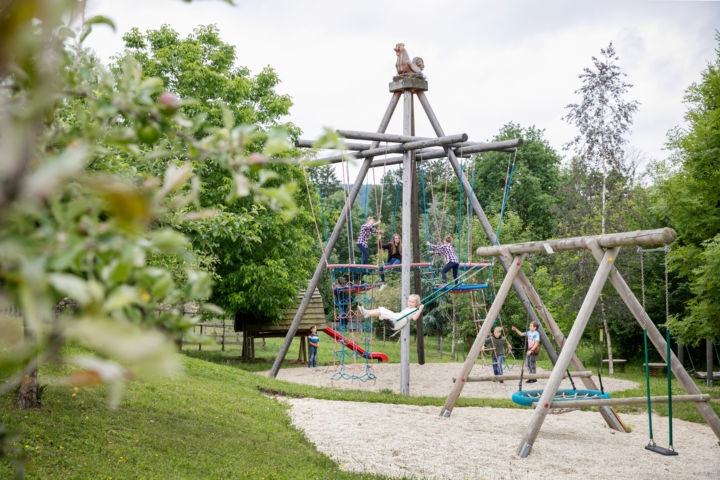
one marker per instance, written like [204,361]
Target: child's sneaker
[362,311]
[382,287]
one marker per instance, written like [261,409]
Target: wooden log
[320,269]
[658,340]
[568,350]
[403,147]
[516,376]
[616,402]
[479,342]
[408,121]
[610,240]
[304,143]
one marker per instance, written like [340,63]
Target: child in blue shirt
[313,343]
[533,345]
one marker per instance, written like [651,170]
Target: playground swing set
[604,249]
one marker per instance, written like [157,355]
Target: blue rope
[460,207]
[469,219]
[507,194]
[422,177]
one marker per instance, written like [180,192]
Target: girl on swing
[397,319]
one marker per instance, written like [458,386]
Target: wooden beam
[568,350]
[516,376]
[616,402]
[403,147]
[479,342]
[406,244]
[658,340]
[320,269]
[302,143]
[610,240]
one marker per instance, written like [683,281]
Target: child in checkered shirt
[451,258]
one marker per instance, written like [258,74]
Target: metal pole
[330,244]
[406,244]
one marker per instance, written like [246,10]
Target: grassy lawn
[213,422]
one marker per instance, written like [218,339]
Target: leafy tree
[603,118]
[535,169]
[89,201]
[689,197]
[324,178]
[259,257]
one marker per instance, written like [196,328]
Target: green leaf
[71,286]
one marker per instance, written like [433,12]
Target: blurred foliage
[101,180]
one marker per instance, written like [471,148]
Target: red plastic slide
[372,355]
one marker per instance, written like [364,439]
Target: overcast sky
[487,63]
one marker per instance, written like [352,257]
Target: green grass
[265,355]
[213,422]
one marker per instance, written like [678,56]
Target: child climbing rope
[451,258]
[394,249]
[533,345]
[366,230]
[397,319]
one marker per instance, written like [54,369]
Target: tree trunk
[611,370]
[28,393]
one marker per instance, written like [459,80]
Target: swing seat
[661,450]
[528,397]
[471,287]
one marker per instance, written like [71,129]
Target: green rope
[647,383]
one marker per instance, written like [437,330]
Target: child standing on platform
[313,344]
[366,230]
[533,345]
[451,258]
[398,319]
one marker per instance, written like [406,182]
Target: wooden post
[608,414]
[568,350]
[595,402]
[709,361]
[482,335]
[658,340]
[330,245]
[417,285]
[406,244]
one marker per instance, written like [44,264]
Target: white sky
[487,63]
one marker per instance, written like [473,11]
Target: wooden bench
[617,362]
[655,368]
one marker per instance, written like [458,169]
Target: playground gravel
[431,379]
[406,441]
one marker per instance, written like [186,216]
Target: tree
[534,179]
[97,170]
[688,195]
[603,118]
[260,258]
[324,178]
